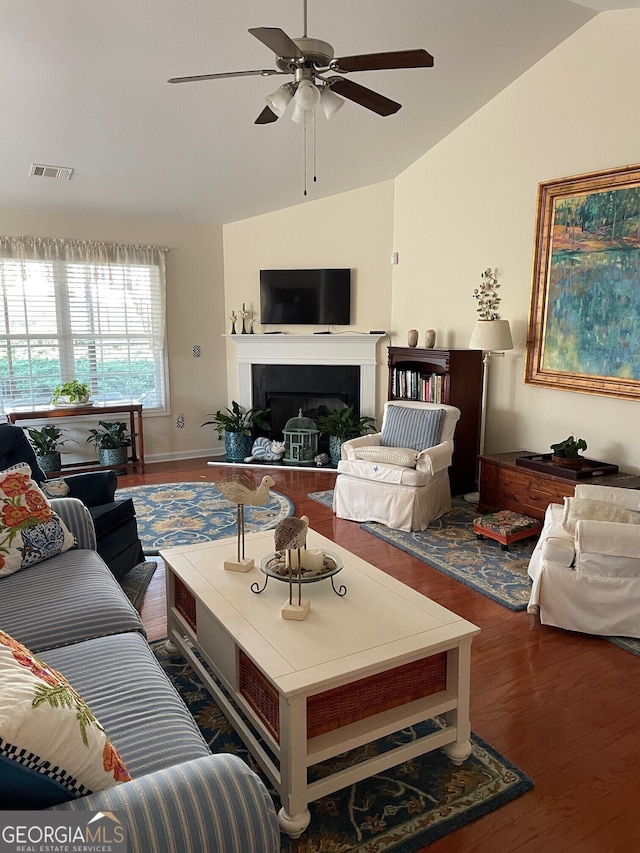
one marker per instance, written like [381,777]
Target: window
[81,310]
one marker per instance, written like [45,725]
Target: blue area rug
[136,581]
[398,811]
[451,547]
[175,514]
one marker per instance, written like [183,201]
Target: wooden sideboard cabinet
[452,376]
[506,485]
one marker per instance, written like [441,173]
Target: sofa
[585,567]
[66,622]
[115,520]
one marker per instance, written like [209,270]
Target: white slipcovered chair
[399,476]
[586,565]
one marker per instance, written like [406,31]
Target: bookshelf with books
[452,376]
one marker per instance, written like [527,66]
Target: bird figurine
[291,535]
[242,491]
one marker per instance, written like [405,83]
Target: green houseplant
[341,425]
[567,452]
[47,441]
[112,442]
[236,425]
[71,393]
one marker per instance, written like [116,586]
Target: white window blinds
[81,310]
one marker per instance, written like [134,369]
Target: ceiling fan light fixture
[279,100]
[330,102]
[307,96]
[299,115]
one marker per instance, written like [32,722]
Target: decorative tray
[543,462]
[72,405]
[273,565]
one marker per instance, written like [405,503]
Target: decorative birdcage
[300,440]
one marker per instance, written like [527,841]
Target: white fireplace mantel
[308,349]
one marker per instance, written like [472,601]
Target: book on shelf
[413,385]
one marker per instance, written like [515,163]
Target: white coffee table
[359,667]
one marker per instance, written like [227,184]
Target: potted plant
[567,452]
[112,442]
[72,393]
[47,441]
[341,425]
[236,425]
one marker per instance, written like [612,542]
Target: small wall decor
[487,296]
[196,351]
[584,320]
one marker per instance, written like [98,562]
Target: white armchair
[399,476]
[586,565]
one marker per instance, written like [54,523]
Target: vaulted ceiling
[84,85]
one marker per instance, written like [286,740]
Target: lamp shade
[330,102]
[299,115]
[491,335]
[307,95]
[279,100]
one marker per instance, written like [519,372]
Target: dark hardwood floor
[563,707]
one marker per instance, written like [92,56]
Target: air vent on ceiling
[63,173]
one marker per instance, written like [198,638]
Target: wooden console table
[506,485]
[133,410]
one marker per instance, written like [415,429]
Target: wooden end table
[360,666]
[506,485]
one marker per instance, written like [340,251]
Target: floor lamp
[493,337]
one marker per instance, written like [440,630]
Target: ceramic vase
[237,446]
[412,337]
[113,456]
[430,338]
[49,462]
[335,449]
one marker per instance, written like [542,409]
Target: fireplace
[314,389]
[314,372]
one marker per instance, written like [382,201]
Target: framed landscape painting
[584,320]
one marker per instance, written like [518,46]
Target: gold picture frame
[584,317]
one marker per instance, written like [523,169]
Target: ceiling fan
[317,75]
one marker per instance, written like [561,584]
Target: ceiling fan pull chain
[304,151]
[315,149]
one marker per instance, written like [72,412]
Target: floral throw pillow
[52,748]
[30,531]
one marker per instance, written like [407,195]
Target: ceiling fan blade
[365,97]
[376,61]
[265,72]
[277,41]
[266,116]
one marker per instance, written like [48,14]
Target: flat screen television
[305,297]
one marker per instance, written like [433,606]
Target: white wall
[470,203]
[195,314]
[349,230]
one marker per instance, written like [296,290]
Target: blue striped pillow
[405,426]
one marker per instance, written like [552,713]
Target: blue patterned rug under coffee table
[450,546]
[174,514]
[398,811]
